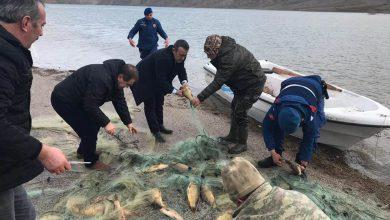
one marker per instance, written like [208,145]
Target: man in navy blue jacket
[299,104]
[148,28]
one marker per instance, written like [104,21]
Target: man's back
[99,80]
[269,202]
[246,70]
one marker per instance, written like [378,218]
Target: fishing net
[171,184]
[336,204]
[141,183]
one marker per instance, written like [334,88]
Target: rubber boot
[231,138]
[242,138]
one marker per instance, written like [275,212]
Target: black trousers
[154,112]
[240,106]
[84,127]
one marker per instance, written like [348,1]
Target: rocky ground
[328,167]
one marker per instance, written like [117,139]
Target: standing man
[300,103]
[238,69]
[77,100]
[22,157]
[148,28]
[156,73]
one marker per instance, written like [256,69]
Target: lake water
[351,50]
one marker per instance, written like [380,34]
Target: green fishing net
[336,204]
[143,182]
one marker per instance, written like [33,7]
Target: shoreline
[328,167]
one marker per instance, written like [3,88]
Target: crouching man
[300,103]
[257,199]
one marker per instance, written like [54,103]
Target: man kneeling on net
[257,199]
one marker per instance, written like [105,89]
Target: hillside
[371,6]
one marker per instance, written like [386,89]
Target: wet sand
[327,168]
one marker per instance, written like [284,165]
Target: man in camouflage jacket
[241,71]
[257,199]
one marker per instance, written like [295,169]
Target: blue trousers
[144,53]
[15,205]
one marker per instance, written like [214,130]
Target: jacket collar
[14,49]
[261,192]
[9,37]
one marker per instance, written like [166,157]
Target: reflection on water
[351,50]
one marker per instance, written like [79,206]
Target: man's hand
[276,158]
[110,128]
[195,102]
[132,129]
[184,85]
[132,43]
[179,93]
[166,42]
[303,165]
[53,159]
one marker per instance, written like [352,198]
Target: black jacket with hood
[93,85]
[18,150]
[236,67]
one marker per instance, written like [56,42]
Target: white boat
[350,117]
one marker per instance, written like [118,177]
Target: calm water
[349,49]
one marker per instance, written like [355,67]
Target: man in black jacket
[238,69]
[22,157]
[77,100]
[156,73]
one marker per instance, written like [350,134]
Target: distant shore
[371,7]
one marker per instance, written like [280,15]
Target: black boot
[238,148]
[231,138]
[158,137]
[242,138]
[165,130]
[81,156]
[226,140]
[266,163]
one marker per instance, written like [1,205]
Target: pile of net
[183,183]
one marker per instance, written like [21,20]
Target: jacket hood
[8,45]
[114,66]
[228,44]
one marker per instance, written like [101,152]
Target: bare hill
[371,6]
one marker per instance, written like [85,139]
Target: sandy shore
[328,167]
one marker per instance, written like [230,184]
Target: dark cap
[148,11]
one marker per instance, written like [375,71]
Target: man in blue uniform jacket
[156,73]
[148,28]
[300,104]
